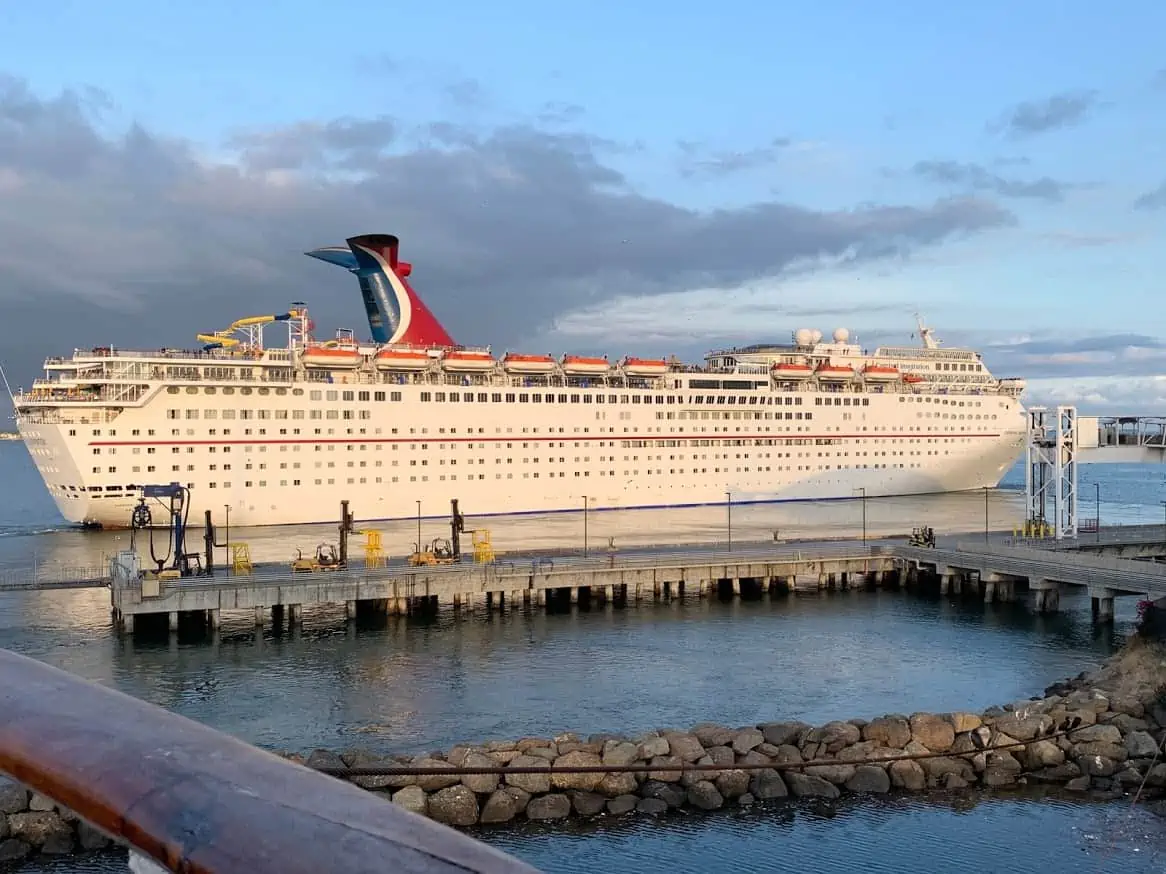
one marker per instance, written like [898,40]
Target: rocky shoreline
[1117,748]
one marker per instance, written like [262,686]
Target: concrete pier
[401,589]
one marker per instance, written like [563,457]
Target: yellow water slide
[224,340]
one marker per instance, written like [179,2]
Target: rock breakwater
[1102,733]
[1099,733]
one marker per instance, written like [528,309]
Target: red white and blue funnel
[396,314]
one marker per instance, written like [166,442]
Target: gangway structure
[1050,475]
[1121,439]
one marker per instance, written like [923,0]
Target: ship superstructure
[404,422]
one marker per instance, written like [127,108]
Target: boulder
[962,722]
[670,793]
[666,776]
[1058,773]
[685,747]
[381,781]
[587,803]
[1042,754]
[13,797]
[1001,769]
[722,756]
[412,798]
[325,759]
[40,802]
[547,754]
[1102,733]
[733,783]
[585,782]
[787,754]
[888,731]
[780,733]
[1140,744]
[1126,723]
[41,829]
[652,746]
[89,838]
[767,784]
[712,735]
[1022,726]
[836,774]
[1097,766]
[433,782]
[869,778]
[746,739]
[1117,752]
[934,732]
[808,786]
[619,753]
[834,736]
[614,785]
[536,784]
[704,795]
[651,806]
[755,758]
[454,805]
[479,783]
[954,782]
[526,744]
[1078,784]
[546,807]
[622,804]
[907,774]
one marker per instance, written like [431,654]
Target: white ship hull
[282,436]
[403,457]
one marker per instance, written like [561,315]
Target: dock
[500,585]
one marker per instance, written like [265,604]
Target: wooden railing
[198,801]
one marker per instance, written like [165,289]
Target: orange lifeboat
[580,364]
[645,366]
[788,372]
[835,373]
[332,356]
[467,361]
[880,373]
[401,359]
[512,362]
[912,378]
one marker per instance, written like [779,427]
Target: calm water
[410,686]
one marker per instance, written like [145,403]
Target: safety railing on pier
[53,576]
[197,801]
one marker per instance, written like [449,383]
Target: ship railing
[189,798]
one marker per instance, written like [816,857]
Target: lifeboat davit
[515,363]
[401,359]
[464,361]
[788,371]
[880,373]
[835,373]
[645,366]
[332,356]
[581,364]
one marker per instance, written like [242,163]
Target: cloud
[696,161]
[974,177]
[139,239]
[1152,200]
[1040,116]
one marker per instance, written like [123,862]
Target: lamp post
[1097,506]
[418,527]
[585,526]
[1163,503]
[862,490]
[729,517]
[227,533]
[985,514]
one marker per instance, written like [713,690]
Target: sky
[599,177]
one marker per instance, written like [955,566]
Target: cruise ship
[403,422]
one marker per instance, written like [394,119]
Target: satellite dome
[841,335]
[816,336]
[803,336]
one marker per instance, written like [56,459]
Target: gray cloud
[1052,113]
[1154,199]
[695,161]
[143,240]
[974,177]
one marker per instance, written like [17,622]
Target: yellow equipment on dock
[240,559]
[439,551]
[325,559]
[483,548]
[374,554]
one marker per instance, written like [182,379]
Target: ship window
[587,399]
[426,396]
[439,396]
[172,390]
[349,396]
[228,391]
[574,399]
[510,397]
[454,396]
[244,391]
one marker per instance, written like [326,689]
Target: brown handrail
[200,802]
